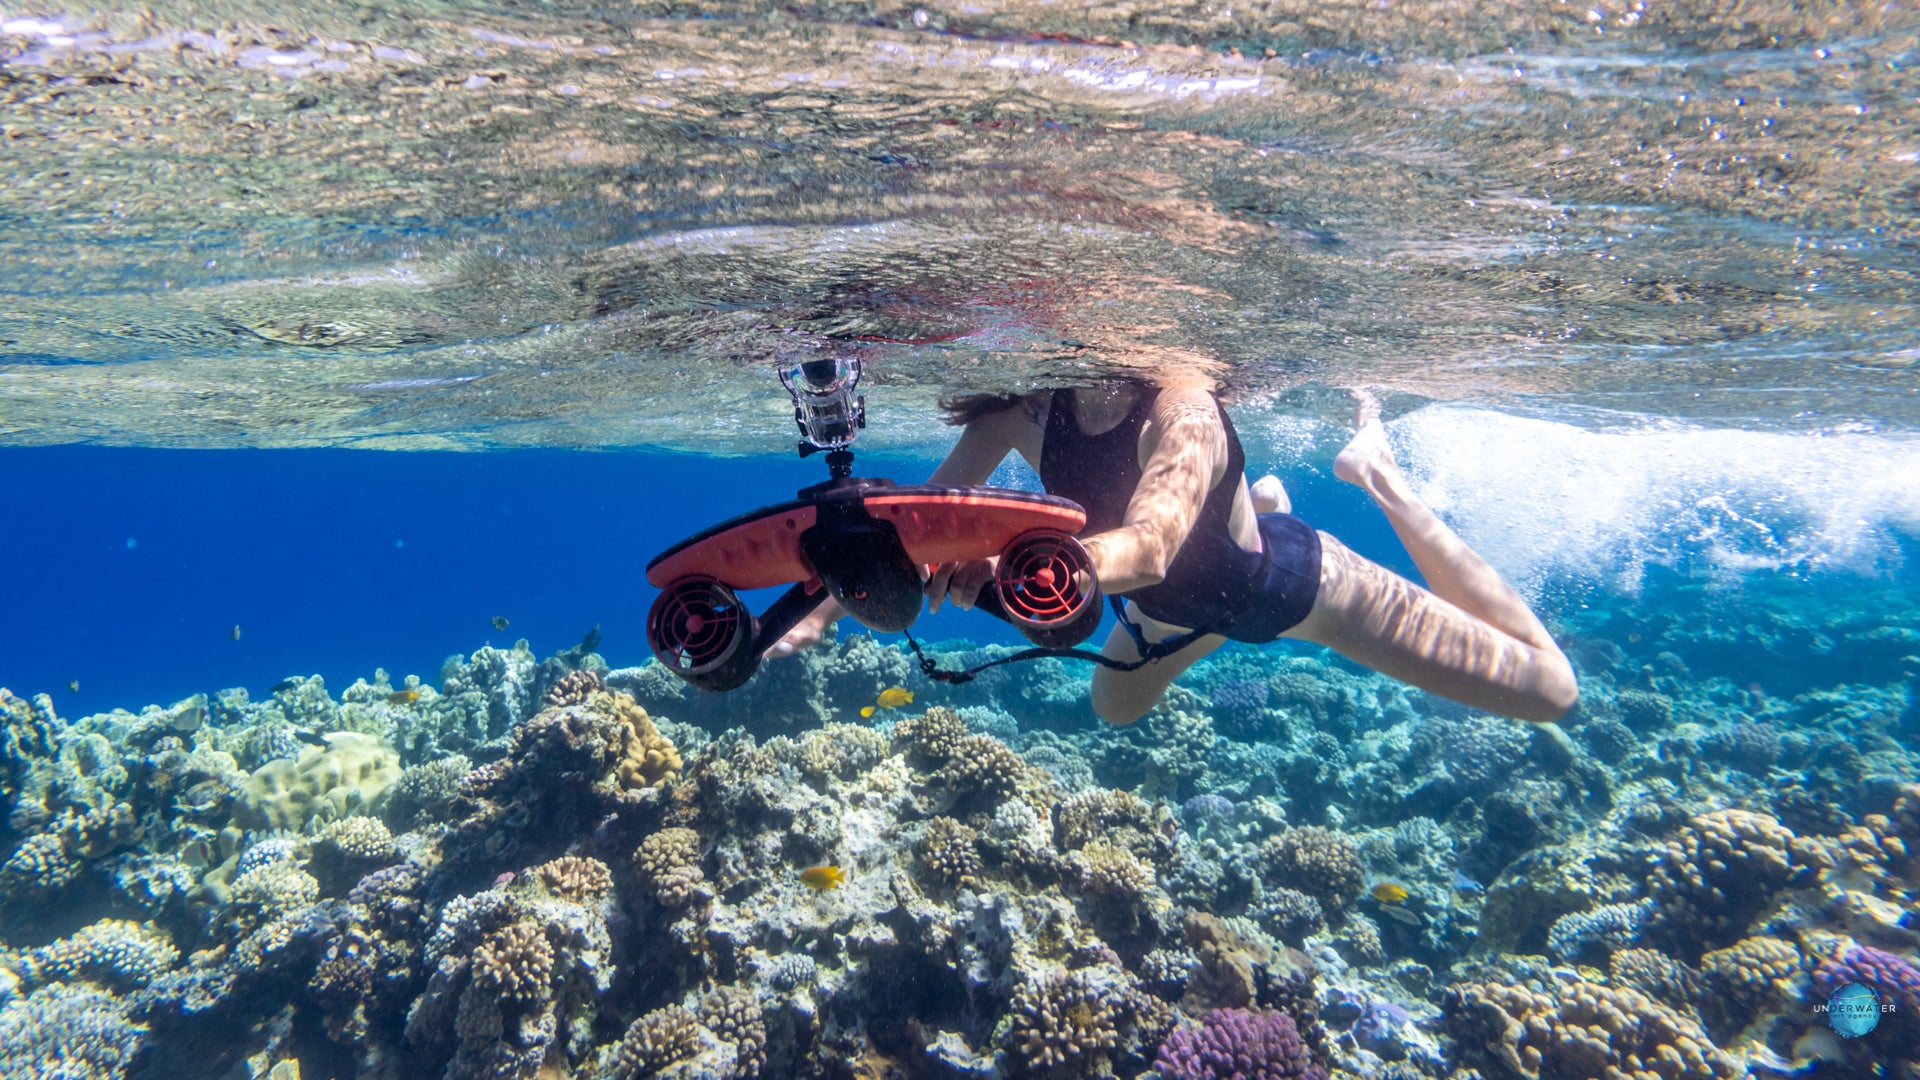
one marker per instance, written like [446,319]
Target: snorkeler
[1174,527]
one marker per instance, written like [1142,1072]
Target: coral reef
[543,867]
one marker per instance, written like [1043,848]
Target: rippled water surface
[565,224]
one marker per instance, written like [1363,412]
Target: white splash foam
[1545,500]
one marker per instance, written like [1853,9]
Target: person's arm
[1186,451]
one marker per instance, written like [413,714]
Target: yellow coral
[650,757]
[350,775]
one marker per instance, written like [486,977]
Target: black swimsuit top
[1211,576]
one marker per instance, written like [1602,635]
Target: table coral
[1580,1031]
[1237,1044]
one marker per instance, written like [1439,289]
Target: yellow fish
[1389,893]
[403,697]
[822,878]
[500,622]
[891,698]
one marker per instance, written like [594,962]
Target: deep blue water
[127,569]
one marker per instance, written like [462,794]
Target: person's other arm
[1186,450]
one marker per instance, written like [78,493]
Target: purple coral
[1238,1044]
[1894,976]
[1240,706]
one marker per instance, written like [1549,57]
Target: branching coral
[1581,1031]
[1600,930]
[663,1037]
[934,735]
[1237,1044]
[67,1033]
[1080,1022]
[575,878]
[982,765]
[1113,872]
[1319,862]
[1895,977]
[516,961]
[358,839]
[669,864]
[948,850]
[118,954]
[1289,914]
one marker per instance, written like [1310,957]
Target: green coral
[350,775]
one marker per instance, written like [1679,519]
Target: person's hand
[808,631]
[961,581]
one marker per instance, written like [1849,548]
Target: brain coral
[350,775]
[1719,873]
[1238,1044]
[1319,862]
[1581,1031]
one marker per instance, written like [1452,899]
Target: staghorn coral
[669,864]
[1719,873]
[948,850]
[1237,1044]
[1319,862]
[1580,1031]
[575,878]
[114,953]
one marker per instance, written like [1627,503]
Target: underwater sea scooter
[864,541]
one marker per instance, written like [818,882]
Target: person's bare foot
[1368,456]
[1270,496]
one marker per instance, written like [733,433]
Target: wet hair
[963,409]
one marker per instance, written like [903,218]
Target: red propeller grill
[1045,583]
[697,624]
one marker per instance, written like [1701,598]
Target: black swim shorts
[1285,582]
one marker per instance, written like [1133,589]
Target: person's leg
[1375,617]
[1270,496]
[1455,572]
[1121,697]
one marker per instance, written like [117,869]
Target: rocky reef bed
[544,868]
